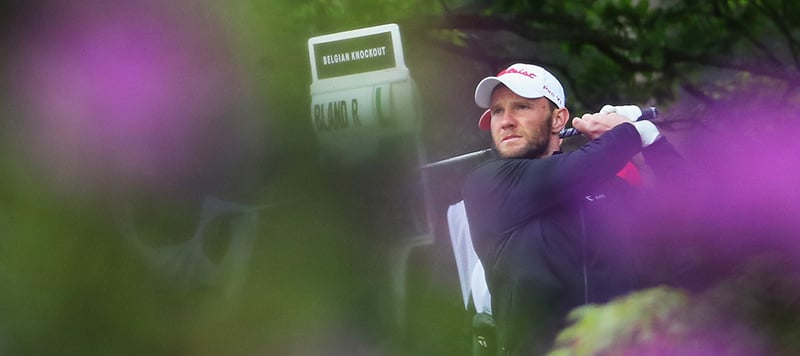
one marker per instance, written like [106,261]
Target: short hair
[553,106]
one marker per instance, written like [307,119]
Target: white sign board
[361,89]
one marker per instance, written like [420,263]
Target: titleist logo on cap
[518,71]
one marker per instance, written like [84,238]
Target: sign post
[365,108]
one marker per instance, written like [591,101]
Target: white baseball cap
[526,80]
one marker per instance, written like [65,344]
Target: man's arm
[664,160]
[504,193]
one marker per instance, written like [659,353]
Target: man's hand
[594,125]
[632,112]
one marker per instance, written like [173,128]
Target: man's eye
[523,107]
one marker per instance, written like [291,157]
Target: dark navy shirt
[550,233]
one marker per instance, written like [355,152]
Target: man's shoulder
[476,177]
[488,171]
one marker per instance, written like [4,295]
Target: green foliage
[634,319]
[326,16]
[753,312]
[456,37]
[647,50]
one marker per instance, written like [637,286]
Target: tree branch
[611,46]
[776,18]
[738,26]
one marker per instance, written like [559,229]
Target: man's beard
[538,144]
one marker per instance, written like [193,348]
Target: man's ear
[560,119]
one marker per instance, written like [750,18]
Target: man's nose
[507,120]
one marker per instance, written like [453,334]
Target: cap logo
[518,71]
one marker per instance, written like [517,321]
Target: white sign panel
[361,93]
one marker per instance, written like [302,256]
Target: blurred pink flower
[127,93]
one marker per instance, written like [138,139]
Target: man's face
[521,127]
